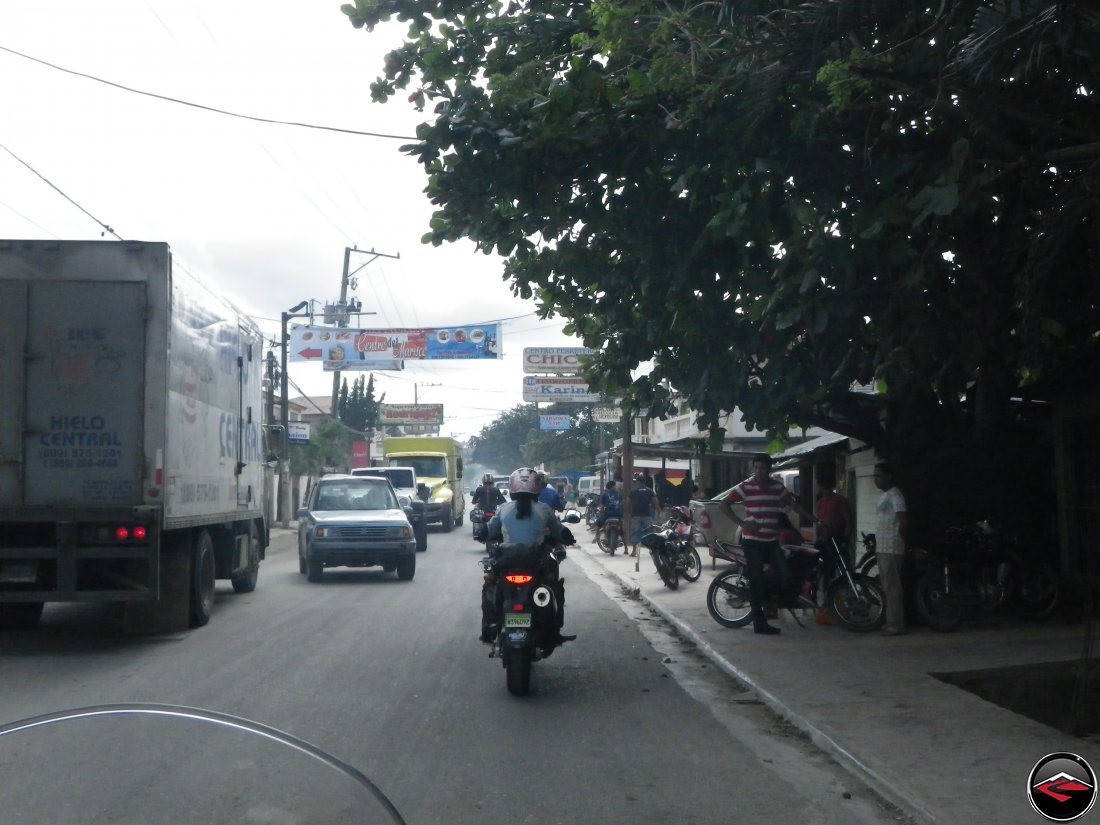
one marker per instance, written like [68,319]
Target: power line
[203,107]
[106,228]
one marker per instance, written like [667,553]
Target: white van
[587,486]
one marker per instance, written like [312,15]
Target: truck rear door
[80,388]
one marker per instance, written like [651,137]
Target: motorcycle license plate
[517,620]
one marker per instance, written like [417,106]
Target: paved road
[628,724]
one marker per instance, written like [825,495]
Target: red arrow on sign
[310,353]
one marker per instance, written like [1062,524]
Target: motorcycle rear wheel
[934,607]
[693,565]
[860,611]
[518,671]
[607,540]
[728,599]
[666,569]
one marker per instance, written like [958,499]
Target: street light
[284,471]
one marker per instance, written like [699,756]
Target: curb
[849,761]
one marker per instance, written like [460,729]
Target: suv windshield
[354,495]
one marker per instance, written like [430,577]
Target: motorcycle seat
[800,549]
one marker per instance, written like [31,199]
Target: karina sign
[555,360]
[547,388]
[335,347]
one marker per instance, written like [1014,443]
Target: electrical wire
[106,229]
[203,107]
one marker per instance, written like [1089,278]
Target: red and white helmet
[524,480]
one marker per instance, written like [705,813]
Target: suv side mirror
[422,490]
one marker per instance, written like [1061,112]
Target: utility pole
[416,396]
[342,310]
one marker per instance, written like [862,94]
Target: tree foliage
[358,407]
[776,202]
[514,440]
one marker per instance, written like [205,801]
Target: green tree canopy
[514,440]
[776,202]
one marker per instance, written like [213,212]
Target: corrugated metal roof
[813,445]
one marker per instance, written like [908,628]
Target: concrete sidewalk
[938,752]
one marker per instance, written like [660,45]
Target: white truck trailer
[132,460]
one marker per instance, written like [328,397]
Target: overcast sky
[264,211]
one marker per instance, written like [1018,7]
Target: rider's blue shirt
[531,530]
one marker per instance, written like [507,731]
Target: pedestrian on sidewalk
[893,523]
[763,498]
[834,513]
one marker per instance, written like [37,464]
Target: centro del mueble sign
[344,349]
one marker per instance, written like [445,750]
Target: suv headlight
[404,501]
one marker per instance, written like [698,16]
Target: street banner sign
[555,422]
[339,347]
[412,414]
[550,389]
[555,360]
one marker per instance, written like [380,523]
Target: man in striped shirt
[763,498]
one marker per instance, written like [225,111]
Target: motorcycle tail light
[517,607]
[518,578]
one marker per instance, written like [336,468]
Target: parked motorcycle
[673,551]
[978,568]
[867,563]
[526,603]
[855,601]
[591,511]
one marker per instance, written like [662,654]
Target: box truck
[132,464]
[438,463]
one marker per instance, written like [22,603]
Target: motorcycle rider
[610,504]
[487,496]
[550,496]
[523,520]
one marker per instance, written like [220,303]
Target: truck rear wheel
[245,581]
[202,579]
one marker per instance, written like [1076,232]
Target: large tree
[513,440]
[778,201]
